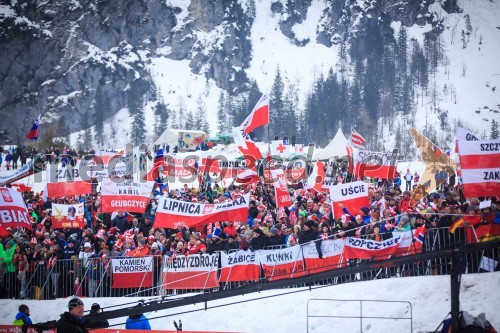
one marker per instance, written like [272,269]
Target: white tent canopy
[172,137]
[337,147]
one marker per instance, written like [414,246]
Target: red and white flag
[67,216]
[170,211]
[352,195]
[358,248]
[190,272]
[125,196]
[317,177]
[283,263]
[356,139]
[331,250]
[480,167]
[66,181]
[281,191]
[13,211]
[247,177]
[279,149]
[239,266]
[259,116]
[247,147]
[375,164]
[132,272]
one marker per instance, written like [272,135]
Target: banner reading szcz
[375,164]
[190,272]
[126,196]
[67,216]
[132,272]
[170,212]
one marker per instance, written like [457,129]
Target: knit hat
[273,231]
[310,223]
[74,302]
[95,307]
[365,210]
[248,233]
[87,244]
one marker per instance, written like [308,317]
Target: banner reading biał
[133,272]
[170,212]
[67,216]
[13,211]
[127,196]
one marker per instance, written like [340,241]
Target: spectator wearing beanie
[72,321]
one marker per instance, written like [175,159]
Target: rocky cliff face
[57,54]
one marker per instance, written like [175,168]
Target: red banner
[67,216]
[170,212]
[66,181]
[13,211]
[239,266]
[282,194]
[357,248]
[190,272]
[483,233]
[375,165]
[125,196]
[282,264]
[352,195]
[332,256]
[132,272]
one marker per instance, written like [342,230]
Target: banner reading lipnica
[357,248]
[282,263]
[132,272]
[67,216]
[13,211]
[190,272]
[239,266]
[126,196]
[332,256]
[170,212]
[352,195]
[375,164]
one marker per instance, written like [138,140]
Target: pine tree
[494,130]
[161,118]
[201,116]
[276,103]
[190,123]
[463,38]
[135,102]
[221,114]
[181,115]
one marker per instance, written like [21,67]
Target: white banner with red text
[13,211]
[190,272]
[239,266]
[125,196]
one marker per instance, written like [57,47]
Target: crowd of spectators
[45,255]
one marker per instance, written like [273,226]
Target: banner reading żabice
[66,180]
[239,266]
[357,248]
[125,196]
[190,272]
[67,216]
[13,211]
[282,263]
[331,251]
[352,195]
[133,272]
[171,211]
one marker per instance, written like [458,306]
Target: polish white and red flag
[133,272]
[247,147]
[282,263]
[356,139]
[358,248]
[13,210]
[317,177]
[66,180]
[190,272]
[259,116]
[352,196]
[282,193]
[375,164]
[170,212]
[331,250]
[127,196]
[480,167]
[239,266]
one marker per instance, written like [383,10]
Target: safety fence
[164,275]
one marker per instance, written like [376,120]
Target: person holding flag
[33,132]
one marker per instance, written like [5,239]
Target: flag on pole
[259,116]
[316,177]
[356,139]
[33,133]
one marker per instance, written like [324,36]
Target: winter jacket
[70,324]
[7,254]
[21,319]
[139,322]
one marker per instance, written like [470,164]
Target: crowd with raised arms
[310,218]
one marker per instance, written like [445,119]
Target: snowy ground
[429,298]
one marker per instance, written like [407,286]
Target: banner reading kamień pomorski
[132,272]
[126,196]
[170,212]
